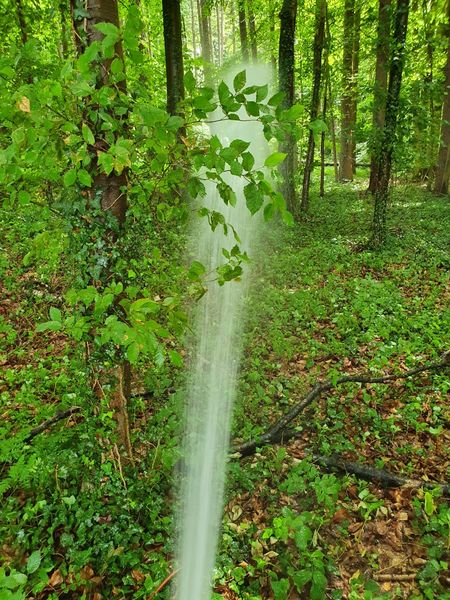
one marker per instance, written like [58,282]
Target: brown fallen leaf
[23,104]
[55,578]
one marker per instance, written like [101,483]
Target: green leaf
[70,177]
[33,562]
[84,178]
[248,161]
[280,589]
[224,92]
[239,145]
[293,113]
[276,99]
[239,81]
[196,270]
[262,92]
[429,504]
[108,29]
[274,159]
[133,352]
[24,197]
[189,82]
[301,578]
[318,587]
[253,197]
[175,358]
[55,314]
[88,136]
[252,108]
[302,537]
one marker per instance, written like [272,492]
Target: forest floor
[75,520]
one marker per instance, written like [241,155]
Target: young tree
[21,21]
[355,70]
[315,99]
[288,18]
[252,28]
[348,94]
[441,185]
[205,35]
[380,87]
[389,131]
[173,45]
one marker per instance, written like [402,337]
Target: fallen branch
[379,476]
[279,431]
[49,422]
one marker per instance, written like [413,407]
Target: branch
[49,422]
[279,432]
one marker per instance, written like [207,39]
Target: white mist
[214,368]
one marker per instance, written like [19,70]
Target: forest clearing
[224,299]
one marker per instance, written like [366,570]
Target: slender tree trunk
[205,37]
[219,40]
[288,18]
[347,125]
[173,45]
[380,87]
[194,32]
[441,185]
[243,30]
[315,100]
[379,228]
[63,12]
[322,144]
[21,21]
[252,28]
[112,188]
[355,70]
[273,58]
[233,25]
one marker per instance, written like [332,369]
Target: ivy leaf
[253,197]
[33,562]
[84,178]
[274,159]
[70,177]
[239,81]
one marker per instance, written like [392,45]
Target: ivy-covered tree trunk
[252,28]
[441,185]
[379,228]
[380,87]
[319,38]
[286,59]
[243,30]
[110,188]
[173,45]
[347,125]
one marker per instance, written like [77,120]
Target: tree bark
[441,185]
[314,110]
[380,88]
[288,18]
[347,125]
[243,30]
[205,37]
[173,45]
[379,228]
[252,28]
[322,138]
[63,12]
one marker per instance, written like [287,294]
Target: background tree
[286,58]
[441,185]
[348,93]
[173,44]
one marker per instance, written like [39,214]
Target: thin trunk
[380,87]
[441,185]
[63,12]
[21,21]
[243,30]
[379,228]
[355,70]
[173,45]
[233,26]
[346,162]
[205,37]
[331,102]
[319,38]
[322,145]
[273,58]
[219,41]
[112,188]
[252,28]
[194,35]
[288,18]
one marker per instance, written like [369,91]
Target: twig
[49,422]
[162,585]
[279,432]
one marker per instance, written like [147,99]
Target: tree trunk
[355,69]
[315,99]
[112,188]
[252,28]
[273,58]
[441,185]
[194,34]
[322,135]
[173,45]
[288,18]
[379,229]
[21,21]
[380,88]
[347,125]
[243,30]
[63,13]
